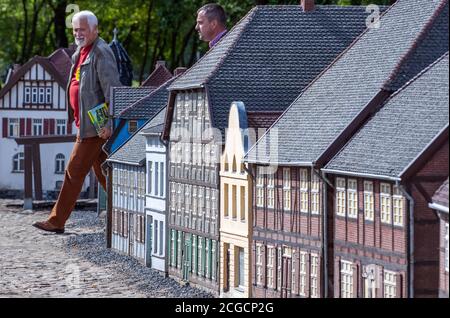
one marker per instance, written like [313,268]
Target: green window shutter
[213,261]
[194,256]
[209,258]
[175,249]
[203,256]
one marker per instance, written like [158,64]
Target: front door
[187,256]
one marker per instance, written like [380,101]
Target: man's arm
[108,76]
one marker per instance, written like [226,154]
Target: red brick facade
[361,242]
[291,233]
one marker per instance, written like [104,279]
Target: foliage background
[150,30]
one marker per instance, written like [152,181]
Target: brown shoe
[47,226]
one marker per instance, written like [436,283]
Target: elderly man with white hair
[93,73]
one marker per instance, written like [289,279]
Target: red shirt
[75,84]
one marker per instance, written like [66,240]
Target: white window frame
[19,162]
[314,276]
[61,127]
[38,127]
[369,203]
[271,254]
[34,95]
[259,187]
[304,200]
[27,95]
[315,193]
[346,279]
[385,203]
[341,200]
[48,95]
[352,198]
[259,264]
[41,96]
[390,284]
[13,127]
[60,163]
[271,191]
[398,207]
[303,272]
[287,189]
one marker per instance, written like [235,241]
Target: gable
[34,86]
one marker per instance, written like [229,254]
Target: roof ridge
[129,138]
[420,37]
[356,40]
[157,90]
[251,14]
[420,74]
[225,53]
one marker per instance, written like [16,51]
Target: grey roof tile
[148,106]
[156,124]
[132,151]
[390,141]
[322,111]
[123,97]
[267,59]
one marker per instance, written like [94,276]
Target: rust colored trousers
[87,153]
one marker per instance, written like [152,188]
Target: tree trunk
[59,22]
[23,58]
[186,39]
[147,39]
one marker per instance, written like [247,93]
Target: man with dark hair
[211,23]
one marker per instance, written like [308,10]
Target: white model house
[156,192]
[33,103]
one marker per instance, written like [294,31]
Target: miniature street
[75,264]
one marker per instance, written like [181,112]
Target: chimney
[179,70]
[307,5]
[160,63]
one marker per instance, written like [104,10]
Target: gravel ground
[77,264]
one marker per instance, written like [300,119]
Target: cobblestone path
[76,264]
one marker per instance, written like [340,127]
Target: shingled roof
[147,107]
[270,56]
[123,97]
[440,198]
[131,152]
[156,124]
[159,76]
[412,35]
[398,133]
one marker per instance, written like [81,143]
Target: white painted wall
[155,204]
[8,148]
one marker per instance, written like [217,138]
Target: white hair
[91,18]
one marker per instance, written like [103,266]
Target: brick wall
[426,224]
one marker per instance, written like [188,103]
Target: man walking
[93,73]
[211,23]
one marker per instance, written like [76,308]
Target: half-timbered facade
[325,116]
[386,237]
[128,198]
[237,69]
[155,196]
[33,103]
[194,194]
